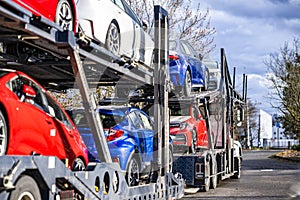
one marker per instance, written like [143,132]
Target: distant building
[272,134]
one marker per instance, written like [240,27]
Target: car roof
[116,110]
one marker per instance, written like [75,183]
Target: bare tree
[284,68]
[186,21]
[250,120]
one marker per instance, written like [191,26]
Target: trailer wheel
[187,88]
[132,172]
[64,15]
[112,42]
[3,135]
[206,186]
[214,178]
[26,189]
[237,174]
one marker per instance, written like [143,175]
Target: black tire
[132,172]
[112,42]
[3,135]
[206,186]
[214,178]
[237,174]
[64,16]
[187,88]
[26,189]
[206,81]
[194,141]
[78,165]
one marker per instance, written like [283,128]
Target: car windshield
[109,120]
[179,110]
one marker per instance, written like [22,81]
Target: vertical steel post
[161,120]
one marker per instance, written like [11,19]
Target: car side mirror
[28,91]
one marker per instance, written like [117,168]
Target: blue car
[129,134]
[187,72]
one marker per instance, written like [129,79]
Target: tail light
[173,57]
[114,134]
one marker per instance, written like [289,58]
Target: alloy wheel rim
[65,17]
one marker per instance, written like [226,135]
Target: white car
[114,24]
[214,74]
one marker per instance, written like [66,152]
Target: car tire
[26,188]
[112,42]
[132,172]
[78,165]
[237,174]
[3,135]
[187,88]
[64,16]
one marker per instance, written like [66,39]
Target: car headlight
[183,125]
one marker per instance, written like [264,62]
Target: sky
[250,31]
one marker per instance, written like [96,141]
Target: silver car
[214,74]
[114,24]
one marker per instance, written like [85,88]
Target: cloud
[250,31]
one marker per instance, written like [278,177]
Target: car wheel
[206,81]
[64,16]
[132,172]
[3,135]
[194,140]
[112,42]
[26,189]
[78,165]
[187,88]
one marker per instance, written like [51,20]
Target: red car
[188,128]
[62,12]
[33,123]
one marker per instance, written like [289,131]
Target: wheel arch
[4,112]
[38,178]
[74,11]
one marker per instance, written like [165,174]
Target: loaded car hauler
[221,159]
[52,56]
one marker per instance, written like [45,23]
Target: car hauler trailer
[52,56]
[221,158]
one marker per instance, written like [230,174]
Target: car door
[128,29]
[32,130]
[196,65]
[142,40]
[202,137]
[147,135]
[63,135]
